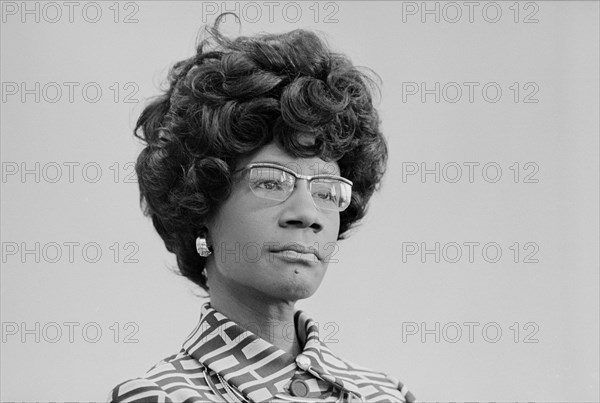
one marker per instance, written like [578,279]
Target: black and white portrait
[327,201]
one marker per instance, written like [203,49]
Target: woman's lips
[298,251]
[294,256]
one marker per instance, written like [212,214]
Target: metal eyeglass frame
[297,176]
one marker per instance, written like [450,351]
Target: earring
[202,248]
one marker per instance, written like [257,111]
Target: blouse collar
[257,368]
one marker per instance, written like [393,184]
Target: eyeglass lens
[275,184]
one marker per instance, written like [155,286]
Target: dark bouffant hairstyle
[235,96]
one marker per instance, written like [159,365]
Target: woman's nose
[300,209]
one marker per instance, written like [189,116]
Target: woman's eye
[326,196]
[269,185]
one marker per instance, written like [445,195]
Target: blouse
[221,361]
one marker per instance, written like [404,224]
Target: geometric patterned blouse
[222,362]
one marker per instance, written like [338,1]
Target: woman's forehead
[274,154]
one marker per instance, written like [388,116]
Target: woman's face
[251,237]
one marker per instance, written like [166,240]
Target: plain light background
[371,298]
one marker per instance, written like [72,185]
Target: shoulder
[138,390]
[156,384]
[374,385]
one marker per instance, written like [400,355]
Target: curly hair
[235,96]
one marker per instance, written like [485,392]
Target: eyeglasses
[275,182]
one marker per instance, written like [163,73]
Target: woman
[262,153]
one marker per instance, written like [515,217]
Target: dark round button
[299,388]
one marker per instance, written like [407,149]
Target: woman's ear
[203,231]
[207,231]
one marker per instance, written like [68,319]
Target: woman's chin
[292,289]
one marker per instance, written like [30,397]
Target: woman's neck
[270,320]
